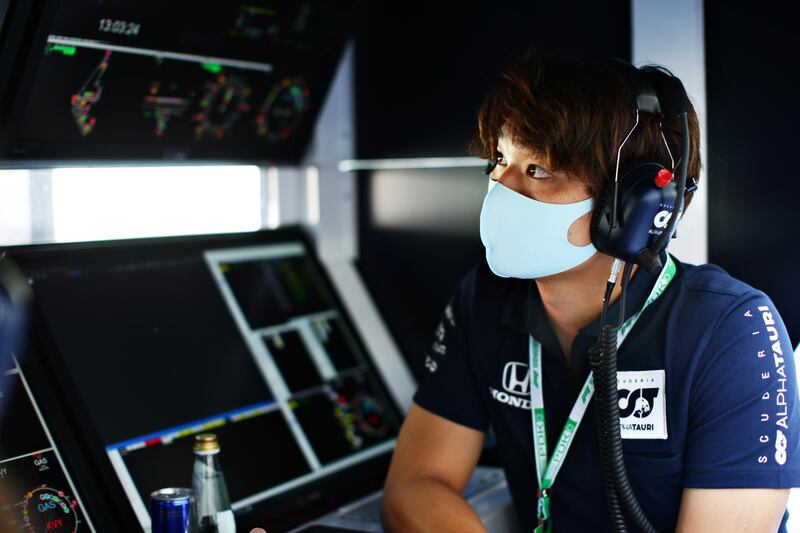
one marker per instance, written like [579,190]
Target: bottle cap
[206,443]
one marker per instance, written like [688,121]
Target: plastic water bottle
[214,514]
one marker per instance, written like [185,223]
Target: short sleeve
[448,387]
[744,430]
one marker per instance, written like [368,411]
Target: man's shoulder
[725,311]
[709,287]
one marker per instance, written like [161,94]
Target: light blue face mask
[526,238]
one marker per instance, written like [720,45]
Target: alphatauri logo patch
[642,404]
[662,219]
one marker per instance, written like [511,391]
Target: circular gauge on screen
[370,416]
[48,509]
[282,109]
[224,99]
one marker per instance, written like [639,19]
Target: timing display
[241,80]
[120,27]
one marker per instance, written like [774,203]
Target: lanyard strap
[546,471]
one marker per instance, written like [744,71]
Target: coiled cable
[603,359]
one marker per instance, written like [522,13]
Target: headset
[634,219]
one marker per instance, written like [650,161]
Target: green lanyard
[546,471]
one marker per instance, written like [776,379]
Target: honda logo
[516,378]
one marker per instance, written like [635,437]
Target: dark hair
[575,112]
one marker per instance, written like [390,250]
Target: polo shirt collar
[524,311]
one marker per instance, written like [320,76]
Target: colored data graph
[282,109]
[88,95]
[48,509]
[214,106]
[163,104]
[224,99]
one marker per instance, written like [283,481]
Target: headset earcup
[638,203]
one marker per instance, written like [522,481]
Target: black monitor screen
[36,491]
[167,340]
[153,79]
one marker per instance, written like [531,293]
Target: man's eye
[498,159]
[535,171]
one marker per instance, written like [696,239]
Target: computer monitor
[126,80]
[154,341]
[37,492]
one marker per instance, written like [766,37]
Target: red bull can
[172,511]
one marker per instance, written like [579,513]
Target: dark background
[420,80]
[752,139]
[422,70]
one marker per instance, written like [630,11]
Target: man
[706,378]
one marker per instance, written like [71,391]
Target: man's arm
[724,510]
[432,464]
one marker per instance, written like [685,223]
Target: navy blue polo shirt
[708,396]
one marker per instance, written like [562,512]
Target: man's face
[526,173]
